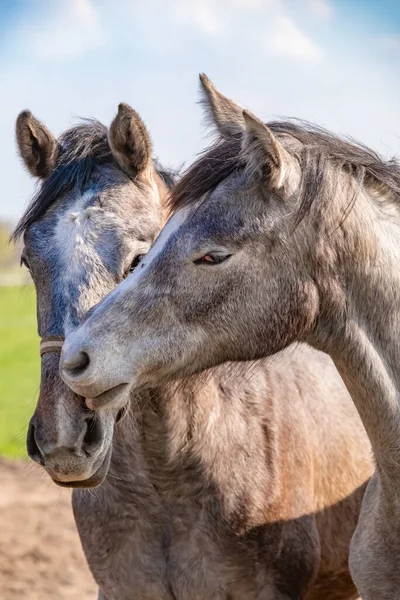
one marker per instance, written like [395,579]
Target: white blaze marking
[75,250]
[165,234]
[161,241]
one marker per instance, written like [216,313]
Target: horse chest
[166,554]
[168,535]
[206,561]
[207,555]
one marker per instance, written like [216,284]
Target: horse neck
[360,323]
[204,433]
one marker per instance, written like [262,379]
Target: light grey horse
[282,233]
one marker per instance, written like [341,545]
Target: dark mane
[319,149]
[81,149]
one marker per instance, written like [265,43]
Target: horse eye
[135,262]
[212,258]
[24,262]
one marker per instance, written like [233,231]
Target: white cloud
[322,8]
[200,14]
[256,4]
[286,39]
[281,34]
[213,16]
[69,33]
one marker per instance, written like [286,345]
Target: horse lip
[107,397]
[94,480]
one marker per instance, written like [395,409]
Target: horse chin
[94,480]
[101,472]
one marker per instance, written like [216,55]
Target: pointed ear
[264,154]
[221,112]
[36,145]
[129,141]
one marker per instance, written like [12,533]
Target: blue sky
[334,62]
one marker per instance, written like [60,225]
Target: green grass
[19,366]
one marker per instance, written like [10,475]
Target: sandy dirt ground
[40,553]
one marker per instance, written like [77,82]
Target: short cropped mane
[319,147]
[81,149]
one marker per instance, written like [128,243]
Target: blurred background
[332,62]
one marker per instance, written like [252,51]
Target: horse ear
[36,144]
[221,112]
[264,154]
[129,141]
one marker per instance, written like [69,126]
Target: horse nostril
[76,363]
[32,446]
[93,435]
